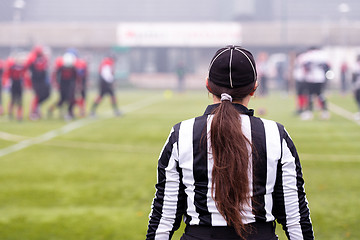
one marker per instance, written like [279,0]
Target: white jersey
[298,71]
[314,62]
[107,73]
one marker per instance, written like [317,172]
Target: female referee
[229,174]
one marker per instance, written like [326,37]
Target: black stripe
[278,195]
[306,226]
[200,169]
[160,186]
[181,204]
[259,168]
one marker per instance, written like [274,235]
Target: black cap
[232,67]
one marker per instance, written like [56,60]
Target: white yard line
[12,137]
[24,142]
[342,112]
[75,125]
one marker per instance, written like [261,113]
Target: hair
[230,180]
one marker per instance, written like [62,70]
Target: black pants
[106,88]
[357,97]
[42,90]
[255,231]
[317,90]
[67,95]
[16,92]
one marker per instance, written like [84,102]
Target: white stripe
[74,125]
[164,234]
[170,197]
[186,160]
[342,112]
[246,129]
[231,56]
[166,142]
[290,194]
[273,150]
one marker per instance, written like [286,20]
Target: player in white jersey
[316,66]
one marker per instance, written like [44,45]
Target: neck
[244,102]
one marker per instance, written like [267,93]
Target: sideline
[78,124]
[342,112]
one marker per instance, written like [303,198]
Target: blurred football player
[16,70]
[64,79]
[316,67]
[81,84]
[106,85]
[38,66]
[300,84]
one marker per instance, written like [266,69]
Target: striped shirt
[184,179]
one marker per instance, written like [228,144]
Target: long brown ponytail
[230,180]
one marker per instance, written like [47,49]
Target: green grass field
[94,178]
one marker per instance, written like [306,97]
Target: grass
[97,181]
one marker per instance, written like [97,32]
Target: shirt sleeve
[168,204]
[290,204]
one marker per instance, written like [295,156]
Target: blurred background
[93,177]
[151,38]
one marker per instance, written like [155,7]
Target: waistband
[256,230]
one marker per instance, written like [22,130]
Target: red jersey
[16,72]
[81,67]
[38,65]
[64,73]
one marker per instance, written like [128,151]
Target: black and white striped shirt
[183,186]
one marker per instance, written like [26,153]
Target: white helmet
[20,58]
[69,59]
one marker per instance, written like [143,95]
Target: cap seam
[217,57]
[231,56]
[252,65]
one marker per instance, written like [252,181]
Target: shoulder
[183,123]
[268,125]
[189,124]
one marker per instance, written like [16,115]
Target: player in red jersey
[15,71]
[64,79]
[81,84]
[106,85]
[38,66]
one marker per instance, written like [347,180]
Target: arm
[169,202]
[290,203]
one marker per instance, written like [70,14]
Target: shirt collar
[241,109]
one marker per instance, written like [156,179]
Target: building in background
[153,36]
